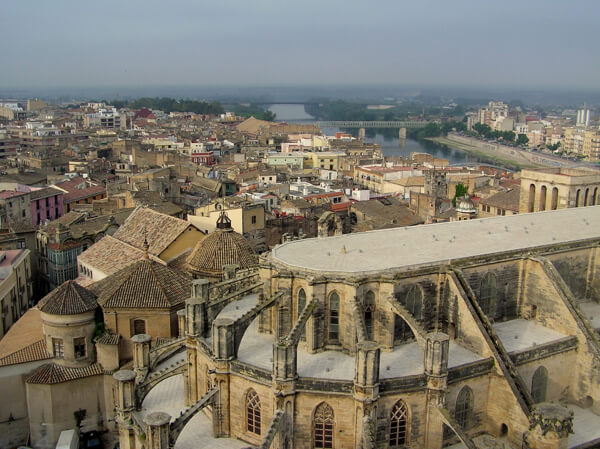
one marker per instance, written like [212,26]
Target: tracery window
[334,318]
[301,305]
[463,411]
[323,427]
[539,383]
[399,425]
[369,314]
[414,301]
[487,294]
[253,412]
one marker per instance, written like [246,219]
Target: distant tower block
[361,133]
[402,133]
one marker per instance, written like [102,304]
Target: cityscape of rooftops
[300,225]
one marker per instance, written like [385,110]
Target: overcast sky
[512,43]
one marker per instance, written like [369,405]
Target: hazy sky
[520,43]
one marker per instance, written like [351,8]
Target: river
[390,145]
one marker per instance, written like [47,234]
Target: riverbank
[511,157]
[482,156]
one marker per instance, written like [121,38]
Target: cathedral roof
[69,298]
[401,248]
[144,284]
[222,247]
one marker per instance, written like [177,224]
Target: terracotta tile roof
[25,332]
[79,188]
[110,255]
[505,200]
[32,353]
[109,339]
[69,298]
[45,192]
[51,373]
[145,284]
[160,230]
[222,247]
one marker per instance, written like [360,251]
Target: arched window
[595,197]
[542,205]
[399,425]
[463,411]
[531,201]
[139,327]
[253,412]
[301,304]
[369,314]
[414,301]
[554,199]
[323,426]
[334,318]
[539,383]
[487,293]
[578,198]
[586,197]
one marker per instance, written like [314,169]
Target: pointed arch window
[539,383]
[414,301]
[323,422]
[334,318]
[301,304]
[399,425]
[253,412]
[487,294]
[369,314]
[463,411]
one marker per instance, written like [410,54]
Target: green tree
[522,140]
[461,190]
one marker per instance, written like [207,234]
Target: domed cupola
[222,247]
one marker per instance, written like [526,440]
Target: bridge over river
[402,126]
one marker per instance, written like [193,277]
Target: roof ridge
[157,280]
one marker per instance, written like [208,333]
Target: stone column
[141,352]
[157,430]
[181,323]
[436,370]
[125,395]
[550,426]
[402,133]
[366,387]
[195,309]
[361,133]
[223,339]
[125,398]
[284,361]
[224,351]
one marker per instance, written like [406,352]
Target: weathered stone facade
[419,356]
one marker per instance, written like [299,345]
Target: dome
[465,205]
[222,247]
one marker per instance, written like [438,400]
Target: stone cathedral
[475,334]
